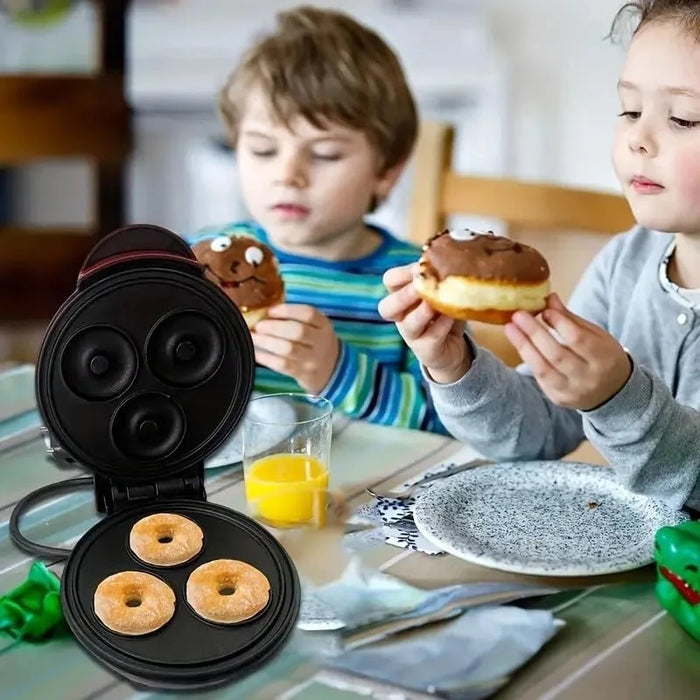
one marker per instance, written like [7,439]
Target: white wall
[564,82]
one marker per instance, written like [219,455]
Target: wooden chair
[568,226]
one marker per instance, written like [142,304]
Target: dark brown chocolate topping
[246,270]
[485,257]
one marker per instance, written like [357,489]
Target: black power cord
[34,548]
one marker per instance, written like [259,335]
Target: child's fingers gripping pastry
[246,269]
[481,277]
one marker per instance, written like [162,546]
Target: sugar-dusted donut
[481,277]
[165,539]
[133,602]
[227,591]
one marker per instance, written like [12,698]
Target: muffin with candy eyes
[247,271]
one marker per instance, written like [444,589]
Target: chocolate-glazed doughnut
[481,277]
[246,270]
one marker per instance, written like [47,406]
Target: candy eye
[253,255]
[463,234]
[220,244]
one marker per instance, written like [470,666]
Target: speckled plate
[546,518]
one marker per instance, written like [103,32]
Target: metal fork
[410,490]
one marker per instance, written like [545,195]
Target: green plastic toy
[32,611]
[678,569]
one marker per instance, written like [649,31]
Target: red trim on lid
[138,255]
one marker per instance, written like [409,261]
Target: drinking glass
[286,459]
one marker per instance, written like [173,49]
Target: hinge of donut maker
[114,495]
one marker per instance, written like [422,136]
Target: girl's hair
[685,13]
[326,67]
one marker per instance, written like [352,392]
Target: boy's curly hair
[686,13]
[326,67]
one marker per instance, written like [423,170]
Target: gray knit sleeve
[652,441]
[504,414]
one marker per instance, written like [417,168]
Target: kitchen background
[530,85]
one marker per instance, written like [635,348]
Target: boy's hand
[299,341]
[436,340]
[584,372]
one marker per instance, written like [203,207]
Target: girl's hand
[436,340]
[583,371]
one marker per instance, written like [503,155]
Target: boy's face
[657,144]
[308,188]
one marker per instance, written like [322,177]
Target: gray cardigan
[650,431]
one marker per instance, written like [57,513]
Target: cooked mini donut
[481,277]
[247,271]
[165,539]
[134,603]
[227,591]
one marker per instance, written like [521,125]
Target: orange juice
[287,489]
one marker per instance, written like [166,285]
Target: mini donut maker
[143,372]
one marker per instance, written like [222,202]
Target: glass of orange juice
[286,459]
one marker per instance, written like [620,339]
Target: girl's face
[656,150]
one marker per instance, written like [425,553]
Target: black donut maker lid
[143,372]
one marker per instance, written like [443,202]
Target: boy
[323,122]
[627,374]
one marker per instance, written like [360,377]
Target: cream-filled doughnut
[481,277]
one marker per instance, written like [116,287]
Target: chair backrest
[568,226]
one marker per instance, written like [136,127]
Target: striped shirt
[376,378]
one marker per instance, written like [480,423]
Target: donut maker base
[144,372]
[188,651]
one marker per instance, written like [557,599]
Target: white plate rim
[524,568]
